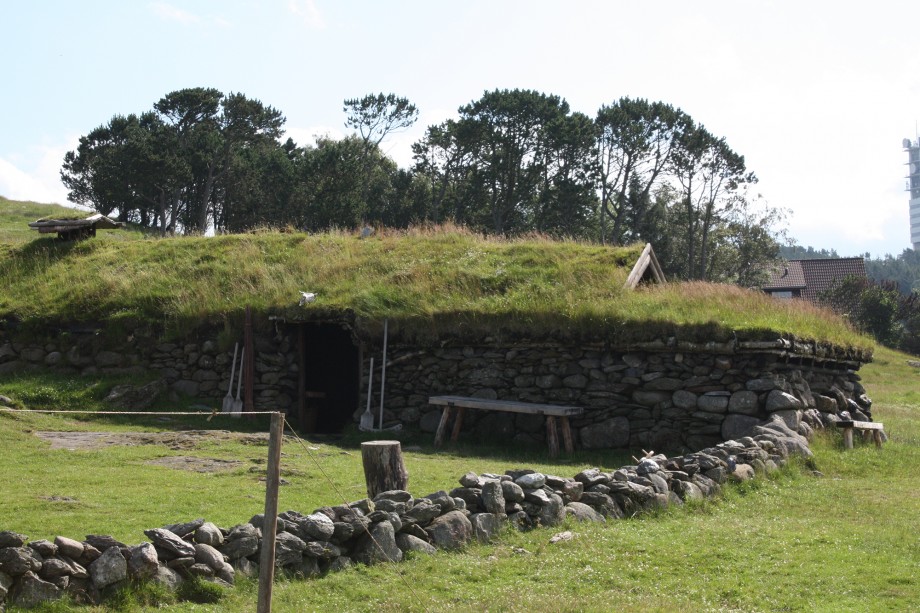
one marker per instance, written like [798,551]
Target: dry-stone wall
[655,398]
[194,369]
[660,395]
[384,529]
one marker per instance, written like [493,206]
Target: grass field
[846,541]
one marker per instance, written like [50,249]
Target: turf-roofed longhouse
[529,320]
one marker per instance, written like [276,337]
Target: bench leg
[567,440]
[458,423]
[442,427]
[848,438]
[877,437]
[552,437]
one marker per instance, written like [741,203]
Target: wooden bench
[459,404]
[848,426]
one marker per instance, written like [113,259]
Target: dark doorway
[330,378]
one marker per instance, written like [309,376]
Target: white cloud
[168,12]
[307,10]
[308,135]
[41,182]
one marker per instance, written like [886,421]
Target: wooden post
[442,426]
[552,436]
[384,469]
[848,438]
[458,424]
[270,521]
[566,430]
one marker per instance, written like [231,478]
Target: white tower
[913,186]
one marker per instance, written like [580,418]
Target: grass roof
[430,284]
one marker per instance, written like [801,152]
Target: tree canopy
[510,162]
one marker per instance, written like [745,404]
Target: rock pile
[387,527]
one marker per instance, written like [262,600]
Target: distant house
[809,279]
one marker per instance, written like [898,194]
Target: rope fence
[271,502]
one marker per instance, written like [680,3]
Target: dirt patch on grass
[185,440]
[199,465]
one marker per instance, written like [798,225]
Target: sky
[816,95]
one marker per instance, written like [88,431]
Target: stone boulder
[16,561]
[744,402]
[111,567]
[609,434]
[778,400]
[423,511]
[378,545]
[167,541]
[12,539]
[30,591]
[582,512]
[493,497]
[486,526]
[209,534]
[137,398]
[206,554]
[69,547]
[6,582]
[450,531]
[167,577]
[408,543]
[143,561]
[323,550]
[288,549]
[315,526]
[242,542]
[737,425]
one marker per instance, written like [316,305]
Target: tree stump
[383,467]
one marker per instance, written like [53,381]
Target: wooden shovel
[228,399]
[238,403]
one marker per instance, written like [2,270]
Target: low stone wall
[193,369]
[367,531]
[661,395]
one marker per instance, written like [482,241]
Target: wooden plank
[510,406]
[656,267]
[639,268]
[861,425]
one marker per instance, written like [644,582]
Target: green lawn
[846,541]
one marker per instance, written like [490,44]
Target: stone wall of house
[656,396]
[197,369]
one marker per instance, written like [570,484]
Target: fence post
[270,520]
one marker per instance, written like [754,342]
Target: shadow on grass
[516,454]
